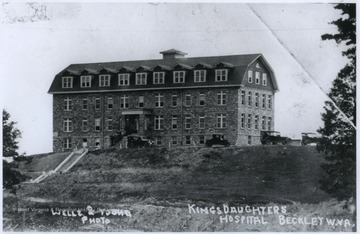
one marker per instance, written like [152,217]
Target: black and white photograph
[177,116]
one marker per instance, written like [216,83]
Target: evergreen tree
[10,136]
[339,131]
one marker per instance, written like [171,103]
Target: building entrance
[131,124]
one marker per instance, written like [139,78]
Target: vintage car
[138,141]
[217,139]
[309,138]
[273,138]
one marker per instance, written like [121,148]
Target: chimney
[172,53]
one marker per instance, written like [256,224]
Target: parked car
[309,137]
[273,138]
[138,141]
[217,139]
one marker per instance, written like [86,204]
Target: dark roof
[173,51]
[237,62]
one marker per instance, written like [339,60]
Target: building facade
[175,100]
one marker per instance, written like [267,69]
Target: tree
[339,131]
[10,136]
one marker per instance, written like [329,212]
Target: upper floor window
[221,120]
[97,103]
[84,125]
[221,98]
[264,79]
[174,122]
[188,100]
[159,100]
[249,98]
[221,75]
[249,121]
[110,102]
[263,122]
[67,143]
[242,97]
[85,104]
[263,101]
[174,100]
[141,78]
[187,122]
[242,120]
[269,123]
[202,99]
[199,75]
[104,80]
[109,124]
[124,103]
[67,82]
[124,79]
[201,121]
[159,122]
[97,124]
[158,77]
[250,76]
[179,77]
[270,102]
[67,125]
[256,100]
[67,104]
[85,81]
[141,101]
[256,122]
[257,77]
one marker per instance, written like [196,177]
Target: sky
[39,40]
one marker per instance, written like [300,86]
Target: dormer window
[104,80]
[199,76]
[67,82]
[250,76]
[158,77]
[257,77]
[85,81]
[264,79]
[221,75]
[179,77]
[141,78]
[124,79]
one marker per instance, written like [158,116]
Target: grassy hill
[169,179]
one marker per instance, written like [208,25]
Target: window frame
[160,79]
[159,100]
[221,77]
[187,122]
[159,122]
[264,79]
[257,77]
[124,104]
[97,124]
[199,76]
[104,80]
[141,78]
[250,76]
[221,98]
[178,77]
[68,106]
[67,82]
[85,81]
[124,78]
[67,125]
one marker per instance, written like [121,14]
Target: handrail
[65,161]
[73,164]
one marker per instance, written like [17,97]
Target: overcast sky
[39,40]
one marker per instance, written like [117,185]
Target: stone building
[175,100]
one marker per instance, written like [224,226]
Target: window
[124,101]
[104,80]
[67,143]
[256,100]
[97,142]
[188,100]
[97,124]
[158,140]
[85,81]
[249,121]
[187,122]
[221,75]
[67,104]
[109,124]
[124,79]
[174,122]
[84,125]
[202,121]
[67,125]
[110,102]
[263,101]
[85,104]
[269,123]
[264,79]
[263,123]
[67,82]
[199,76]
[187,140]
[141,78]
[249,98]
[159,100]
[257,77]
[242,120]
[221,120]
[221,98]
[97,103]
[141,101]
[269,102]
[179,77]
[158,77]
[174,100]
[249,140]
[250,76]
[174,140]
[243,97]
[256,122]
[159,122]
[201,139]
[202,99]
